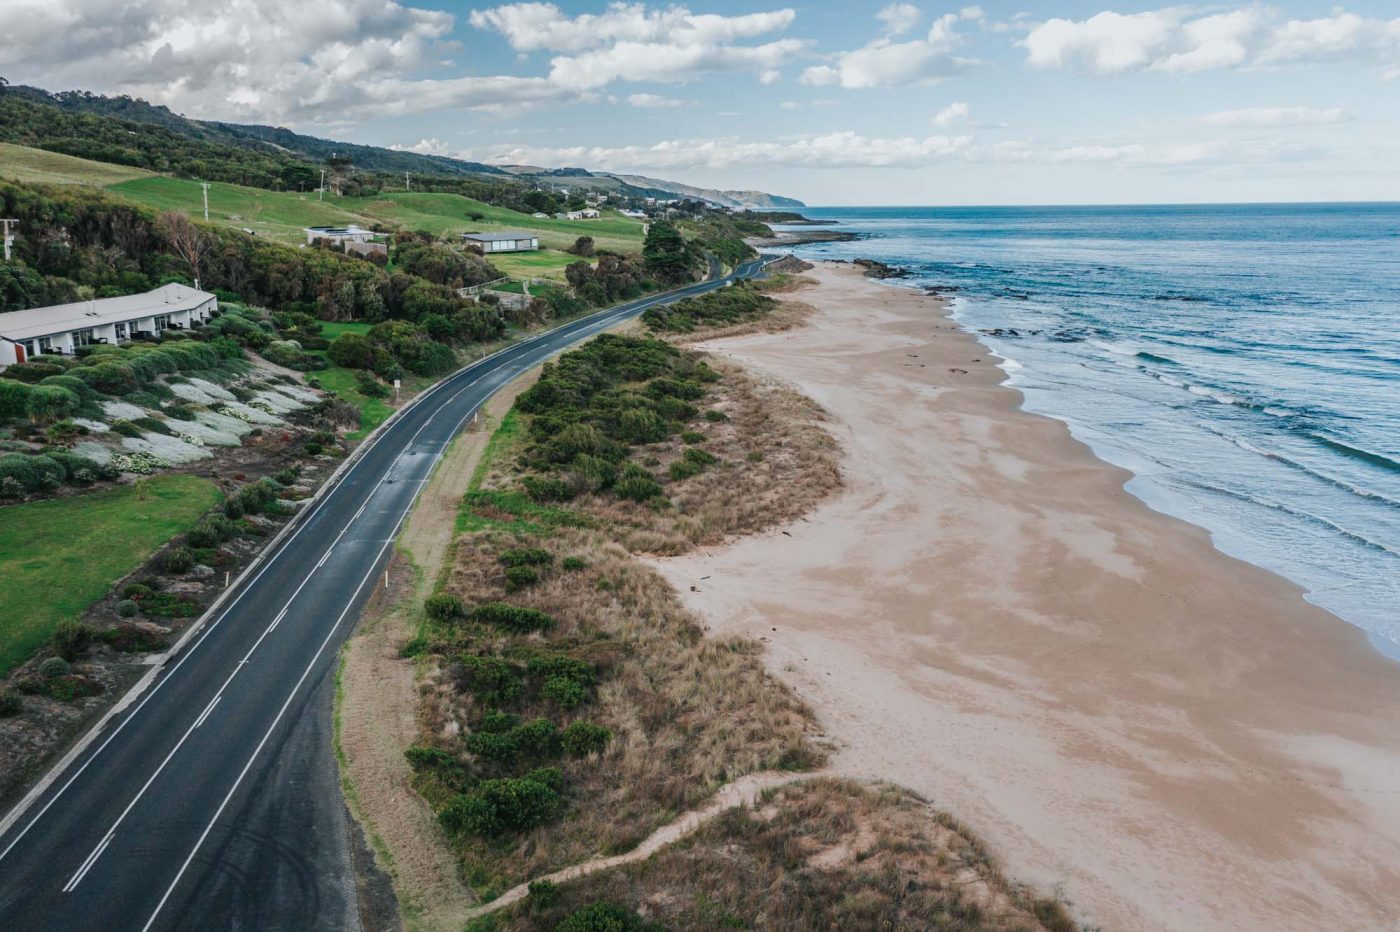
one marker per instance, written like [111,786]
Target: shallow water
[1242,361]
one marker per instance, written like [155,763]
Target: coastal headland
[1172,738]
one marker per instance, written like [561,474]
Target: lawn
[441,214]
[279,215]
[36,166]
[543,264]
[373,411]
[330,329]
[58,557]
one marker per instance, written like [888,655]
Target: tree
[351,350]
[583,246]
[665,253]
[189,241]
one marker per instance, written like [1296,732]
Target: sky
[1068,101]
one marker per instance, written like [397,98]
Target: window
[120,328]
[28,348]
[162,321]
[82,338]
[46,344]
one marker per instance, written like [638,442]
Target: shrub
[129,638]
[492,746]
[367,385]
[499,806]
[79,470]
[444,606]
[512,617]
[700,457]
[177,560]
[583,738]
[490,679]
[637,488]
[526,556]
[603,916]
[564,692]
[683,469]
[169,605]
[573,564]
[543,894]
[520,577]
[716,416]
[692,436]
[11,703]
[210,531]
[53,667]
[22,473]
[70,639]
[126,428]
[547,489]
[138,591]
[127,608]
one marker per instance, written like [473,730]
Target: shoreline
[988,616]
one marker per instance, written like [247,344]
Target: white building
[588,213]
[338,236]
[62,328]
[635,214]
[504,241]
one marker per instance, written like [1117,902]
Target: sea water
[1243,361]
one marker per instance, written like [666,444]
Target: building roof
[502,235]
[331,232]
[61,318]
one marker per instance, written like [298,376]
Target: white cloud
[951,114]
[425,147]
[1175,39]
[630,42]
[887,63]
[1277,116]
[853,150]
[899,18]
[653,101]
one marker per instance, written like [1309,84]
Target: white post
[406,185]
[321,191]
[226,575]
[9,237]
[205,186]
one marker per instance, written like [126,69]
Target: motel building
[61,329]
[505,241]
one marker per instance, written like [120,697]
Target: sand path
[1173,737]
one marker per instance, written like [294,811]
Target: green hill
[36,166]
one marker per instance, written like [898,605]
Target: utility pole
[321,192]
[205,186]
[9,237]
[406,185]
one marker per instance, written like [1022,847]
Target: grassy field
[58,557]
[330,329]
[373,411]
[542,264]
[35,166]
[441,214]
[277,215]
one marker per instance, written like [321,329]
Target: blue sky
[1021,102]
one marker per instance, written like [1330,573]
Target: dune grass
[58,557]
[37,166]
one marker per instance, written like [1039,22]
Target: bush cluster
[514,618]
[722,307]
[513,804]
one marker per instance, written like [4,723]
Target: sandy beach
[1170,737]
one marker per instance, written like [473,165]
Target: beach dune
[1171,737]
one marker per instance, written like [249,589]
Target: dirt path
[742,792]
[377,713]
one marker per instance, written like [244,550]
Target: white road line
[207,709]
[77,877]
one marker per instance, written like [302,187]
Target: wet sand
[1173,738]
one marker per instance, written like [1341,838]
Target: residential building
[504,241]
[588,213]
[63,329]
[337,236]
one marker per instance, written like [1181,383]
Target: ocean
[1243,361]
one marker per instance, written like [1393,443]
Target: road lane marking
[207,709]
[78,876]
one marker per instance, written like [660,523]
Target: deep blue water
[1242,361]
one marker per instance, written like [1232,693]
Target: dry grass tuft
[819,854]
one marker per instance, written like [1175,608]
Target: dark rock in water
[1001,332]
[935,290]
[876,269]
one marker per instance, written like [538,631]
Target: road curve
[213,801]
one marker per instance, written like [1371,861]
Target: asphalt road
[213,802]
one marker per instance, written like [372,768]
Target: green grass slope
[35,166]
[279,215]
[58,557]
[441,214]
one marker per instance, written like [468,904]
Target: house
[62,328]
[588,213]
[338,236]
[504,241]
[635,214]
